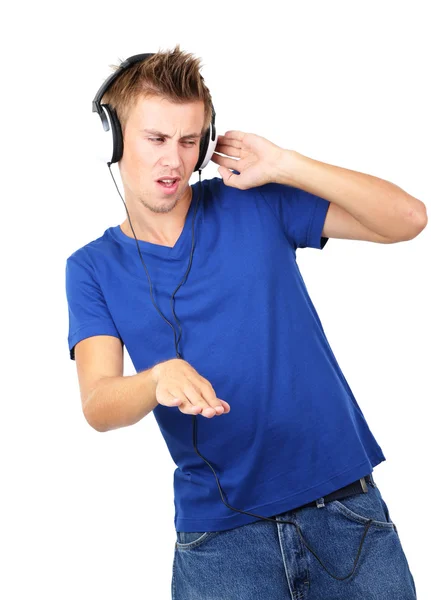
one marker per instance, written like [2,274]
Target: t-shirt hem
[314,237]
[284,504]
[86,331]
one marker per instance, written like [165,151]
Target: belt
[357,487]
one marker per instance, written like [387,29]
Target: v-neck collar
[181,246]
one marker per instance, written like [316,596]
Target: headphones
[111,144]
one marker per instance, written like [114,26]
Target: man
[292,449]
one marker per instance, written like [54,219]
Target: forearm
[121,401]
[378,204]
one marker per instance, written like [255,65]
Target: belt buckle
[364,485]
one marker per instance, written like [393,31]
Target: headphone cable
[178,354]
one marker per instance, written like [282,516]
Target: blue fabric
[295,431]
[271,560]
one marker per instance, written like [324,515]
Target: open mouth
[168,185]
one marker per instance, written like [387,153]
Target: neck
[157,227]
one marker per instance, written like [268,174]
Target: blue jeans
[265,560]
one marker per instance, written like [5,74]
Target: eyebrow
[159,133]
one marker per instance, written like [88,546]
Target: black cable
[369,521]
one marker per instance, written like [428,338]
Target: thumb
[228,176]
[221,172]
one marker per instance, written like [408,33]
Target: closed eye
[191,143]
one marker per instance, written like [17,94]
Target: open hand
[179,384]
[258,159]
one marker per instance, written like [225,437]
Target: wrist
[155,373]
[286,166]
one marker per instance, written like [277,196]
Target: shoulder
[216,188]
[86,253]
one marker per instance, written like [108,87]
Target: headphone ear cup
[207,148]
[117,135]
[207,144]
[203,145]
[103,136]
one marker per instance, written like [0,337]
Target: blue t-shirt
[295,431]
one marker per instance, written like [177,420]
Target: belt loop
[320,502]
[364,485]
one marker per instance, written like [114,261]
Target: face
[147,157]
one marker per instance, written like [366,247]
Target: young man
[292,449]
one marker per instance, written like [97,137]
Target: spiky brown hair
[171,74]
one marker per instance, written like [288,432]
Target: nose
[171,156]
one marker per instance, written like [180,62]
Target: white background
[89,515]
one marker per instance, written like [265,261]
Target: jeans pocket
[362,507]
[186,540]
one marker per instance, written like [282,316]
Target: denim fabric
[265,560]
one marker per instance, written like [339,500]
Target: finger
[222,139]
[234,134]
[235,137]
[171,399]
[193,392]
[209,395]
[186,407]
[225,161]
[230,179]
[229,150]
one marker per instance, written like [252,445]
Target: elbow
[417,230]
[91,418]
[421,221]
[416,226]
[97,427]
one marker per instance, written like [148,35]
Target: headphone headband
[108,82]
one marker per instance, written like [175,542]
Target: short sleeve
[88,312]
[302,214]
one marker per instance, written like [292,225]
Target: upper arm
[97,357]
[300,213]
[341,224]
[89,314]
